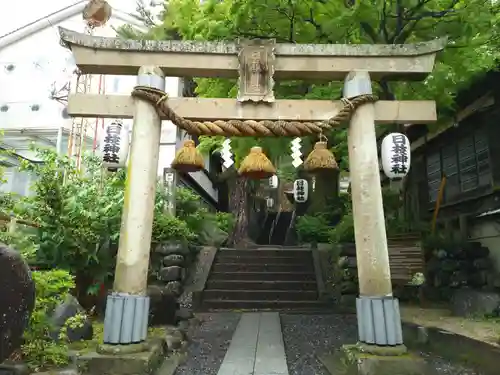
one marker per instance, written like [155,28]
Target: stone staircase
[266,277]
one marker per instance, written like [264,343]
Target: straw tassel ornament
[188,158]
[256,165]
[320,158]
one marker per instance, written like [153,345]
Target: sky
[23,12]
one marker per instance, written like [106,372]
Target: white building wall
[33,67]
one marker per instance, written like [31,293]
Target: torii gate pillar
[127,308]
[378,315]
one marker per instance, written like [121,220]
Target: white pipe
[41,24]
[59,16]
[59,140]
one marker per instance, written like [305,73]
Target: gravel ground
[209,343]
[306,336]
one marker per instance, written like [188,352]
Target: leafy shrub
[190,209]
[79,215]
[313,229]
[344,230]
[167,228]
[225,221]
[39,350]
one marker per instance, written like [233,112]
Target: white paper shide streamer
[227,155]
[295,147]
[114,145]
[396,155]
[300,190]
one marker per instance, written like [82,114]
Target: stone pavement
[268,343]
[257,347]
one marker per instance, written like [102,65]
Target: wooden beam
[487,100]
[200,109]
[99,55]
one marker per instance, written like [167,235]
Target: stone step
[274,252]
[263,276]
[261,285]
[242,267]
[260,295]
[262,259]
[218,304]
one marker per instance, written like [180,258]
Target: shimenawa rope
[250,128]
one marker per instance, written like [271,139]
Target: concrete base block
[353,360]
[124,362]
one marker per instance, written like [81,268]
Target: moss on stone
[69,37]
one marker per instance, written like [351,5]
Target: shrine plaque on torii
[256,70]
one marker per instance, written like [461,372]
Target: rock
[162,306]
[172,273]
[174,287]
[174,340]
[183,326]
[172,248]
[186,300]
[8,368]
[17,293]
[468,302]
[478,279]
[211,234]
[350,262]
[68,371]
[69,309]
[173,260]
[183,314]
[348,250]
[348,287]
[483,263]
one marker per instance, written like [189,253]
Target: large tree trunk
[238,204]
[326,190]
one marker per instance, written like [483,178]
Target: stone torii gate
[255,113]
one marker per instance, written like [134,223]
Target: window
[465,164]
[434,175]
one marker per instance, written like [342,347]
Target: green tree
[470,27]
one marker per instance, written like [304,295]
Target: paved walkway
[257,347]
[266,343]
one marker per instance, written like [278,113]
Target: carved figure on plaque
[256,58]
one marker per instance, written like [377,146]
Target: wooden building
[466,153]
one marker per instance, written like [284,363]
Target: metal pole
[59,141]
[127,308]
[379,321]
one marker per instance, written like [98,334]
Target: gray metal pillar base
[379,321]
[126,319]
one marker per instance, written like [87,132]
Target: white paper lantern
[396,155]
[300,190]
[270,202]
[273,182]
[114,145]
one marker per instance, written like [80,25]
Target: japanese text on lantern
[400,154]
[112,144]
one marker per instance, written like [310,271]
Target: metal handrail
[275,222]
